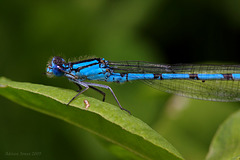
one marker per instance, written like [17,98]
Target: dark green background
[164,31]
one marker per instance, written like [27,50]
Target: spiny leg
[80,84]
[87,85]
[101,92]
[78,95]
[107,87]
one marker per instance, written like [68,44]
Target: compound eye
[58,61]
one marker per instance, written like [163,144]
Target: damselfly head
[56,67]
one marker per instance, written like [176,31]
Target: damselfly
[199,81]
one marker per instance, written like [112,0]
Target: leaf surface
[102,119]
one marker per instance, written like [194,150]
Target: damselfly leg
[98,90]
[87,85]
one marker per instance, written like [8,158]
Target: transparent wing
[213,90]
[139,67]
[147,67]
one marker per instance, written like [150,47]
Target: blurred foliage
[226,141]
[165,31]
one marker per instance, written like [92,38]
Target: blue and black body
[206,82]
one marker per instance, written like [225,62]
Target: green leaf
[103,119]
[226,142]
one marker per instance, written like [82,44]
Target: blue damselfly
[199,81]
